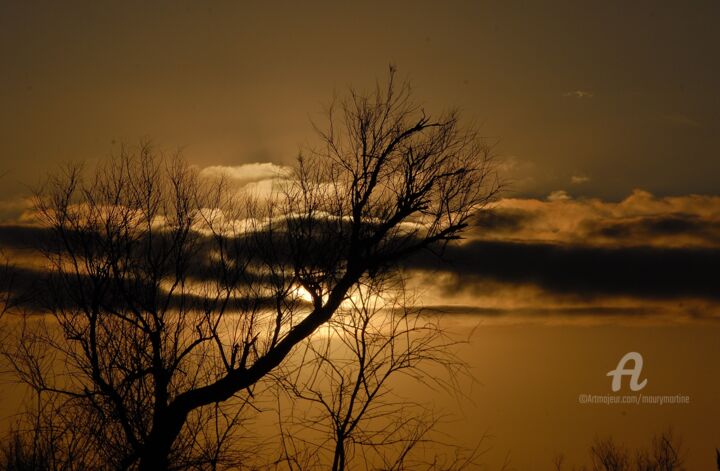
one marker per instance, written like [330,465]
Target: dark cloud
[502,220]
[572,266]
[532,311]
[22,237]
[645,272]
[678,224]
[39,290]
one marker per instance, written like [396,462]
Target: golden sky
[593,99]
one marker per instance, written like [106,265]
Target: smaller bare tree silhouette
[666,453]
[343,412]
[8,296]
[606,455]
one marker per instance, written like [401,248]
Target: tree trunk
[339,458]
[156,455]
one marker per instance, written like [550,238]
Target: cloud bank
[572,257]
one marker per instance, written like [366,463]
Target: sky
[604,116]
[595,99]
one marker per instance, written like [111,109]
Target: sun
[303,294]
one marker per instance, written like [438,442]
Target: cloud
[573,311]
[641,219]
[643,253]
[519,174]
[15,210]
[508,221]
[559,195]
[38,289]
[661,227]
[581,272]
[20,237]
[526,256]
[522,255]
[580,94]
[681,120]
[248,173]
[579,179]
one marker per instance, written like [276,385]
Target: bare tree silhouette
[174,298]
[8,295]
[343,413]
[608,456]
[666,453]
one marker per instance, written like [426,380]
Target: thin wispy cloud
[15,209]
[579,94]
[559,195]
[681,120]
[247,173]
